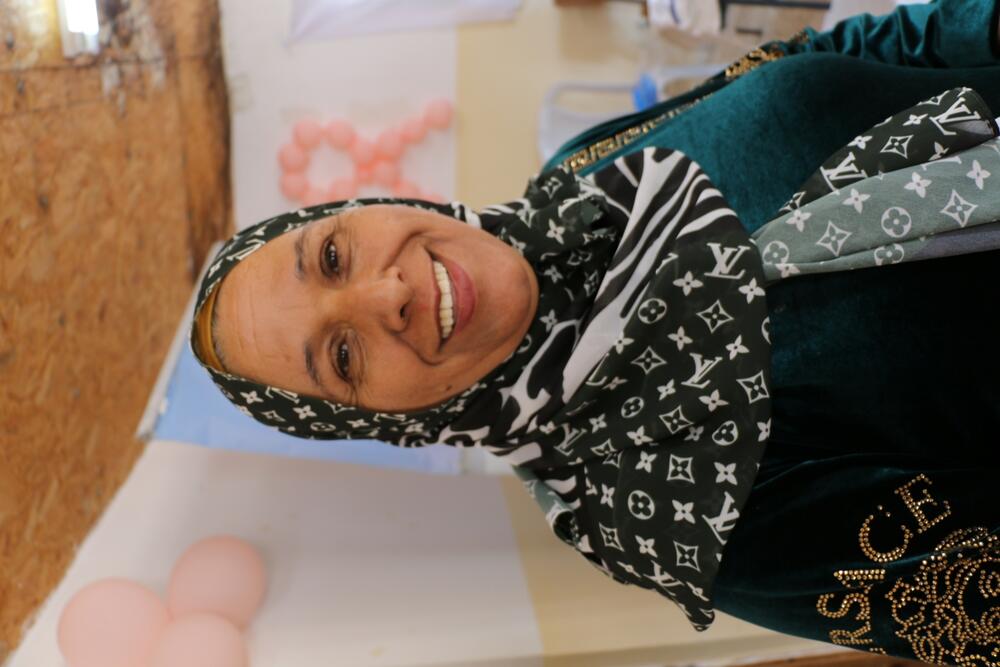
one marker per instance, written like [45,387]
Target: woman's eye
[330,258]
[344,361]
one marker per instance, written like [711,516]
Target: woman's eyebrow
[300,251]
[300,273]
[311,366]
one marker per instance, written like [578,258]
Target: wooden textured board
[114,181]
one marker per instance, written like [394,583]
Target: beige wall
[504,70]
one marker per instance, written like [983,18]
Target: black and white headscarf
[636,408]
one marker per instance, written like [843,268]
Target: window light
[79,25]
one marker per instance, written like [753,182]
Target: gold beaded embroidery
[598,150]
[751,61]
[852,637]
[763,54]
[748,62]
[859,598]
[930,607]
[855,578]
[915,506]
[864,537]
[852,579]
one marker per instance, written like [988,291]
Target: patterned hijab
[650,337]
[913,187]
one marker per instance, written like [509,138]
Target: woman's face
[355,308]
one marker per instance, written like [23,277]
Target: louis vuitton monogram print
[914,187]
[948,123]
[669,425]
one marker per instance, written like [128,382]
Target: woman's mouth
[456,297]
[446,301]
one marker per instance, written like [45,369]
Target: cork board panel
[196,30]
[113,184]
[206,135]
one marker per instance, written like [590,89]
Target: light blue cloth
[195,412]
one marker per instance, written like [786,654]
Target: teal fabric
[764,133]
[947,33]
[759,137]
[878,375]
[924,598]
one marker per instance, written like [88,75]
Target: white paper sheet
[330,19]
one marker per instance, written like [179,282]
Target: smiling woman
[571,306]
[667,338]
[390,308]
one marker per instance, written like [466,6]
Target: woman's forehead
[268,286]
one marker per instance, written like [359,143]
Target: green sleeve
[945,33]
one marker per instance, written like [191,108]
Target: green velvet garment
[884,446]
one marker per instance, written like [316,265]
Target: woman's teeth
[446,313]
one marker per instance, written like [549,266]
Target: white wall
[373,81]
[373,567]
[367,566]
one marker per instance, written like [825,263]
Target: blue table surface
[196,412]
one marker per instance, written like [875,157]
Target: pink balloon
[315,196]
[390,144]
[438,114]
[111,623]
[406,190]
[293,158]
[307,133]
[385,173]
[362,151]
[294,185]
[200,640]
[363,174]
[414,130]
[340,134]
[221,575]
[343,188]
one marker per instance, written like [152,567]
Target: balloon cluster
[215,589]
[376,162]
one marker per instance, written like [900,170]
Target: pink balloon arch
[215,589]
[375,161]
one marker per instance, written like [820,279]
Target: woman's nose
[389,299]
